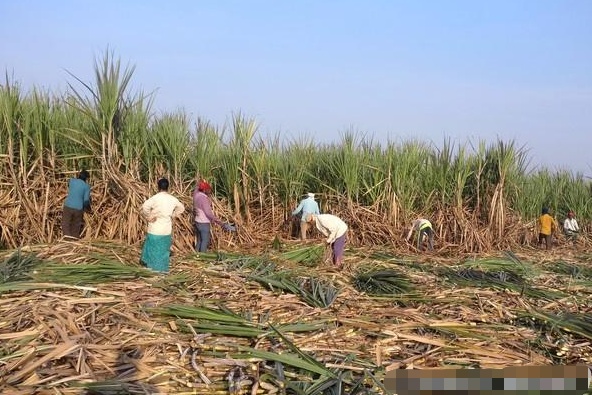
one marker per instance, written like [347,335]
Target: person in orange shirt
[547,227]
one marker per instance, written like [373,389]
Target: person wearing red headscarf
[204,216]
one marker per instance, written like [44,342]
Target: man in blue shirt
[77,201]
[307,206]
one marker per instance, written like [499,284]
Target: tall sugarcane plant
[475,192]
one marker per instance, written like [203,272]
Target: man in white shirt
[160,210]
[570,227]
[334,229]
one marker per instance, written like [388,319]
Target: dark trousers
[72,222]
[202,236]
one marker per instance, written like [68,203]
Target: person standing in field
[204,216]
[547,227]
[335,230]
[306,207]
[77,202]
[159,210]
[423,228]
[571,227]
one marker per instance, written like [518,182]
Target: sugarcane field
[262,310]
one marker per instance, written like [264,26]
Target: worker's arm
[179,209]
[410,232]
[299,208]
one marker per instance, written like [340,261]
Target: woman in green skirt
[160,210]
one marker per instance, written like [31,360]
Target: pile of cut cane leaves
[84,317]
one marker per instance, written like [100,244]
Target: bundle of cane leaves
[210,320]
[318,293]
[382,256]
[218,256]
[575,323]
[220,314]
[460,330]
[469,276]
[17,266]
[309,365]
[313,364]
[312,291]
[222,321]
[172,283]
[390,258]
[113,388]
[500,279]
[90,274]
[344,381]
[309,256]
[382,281]
[274,281]
[571,269]
[323,385]
[511,264]
[255,265]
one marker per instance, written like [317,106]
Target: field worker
[204,216]
[547,227]
[423,227]
[307,206]
[570,227]
[160,210]
[334,229]
[77,201]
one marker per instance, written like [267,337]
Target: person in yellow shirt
[424,229]
[547,227]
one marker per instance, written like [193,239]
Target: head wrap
[310,195]
[203,186]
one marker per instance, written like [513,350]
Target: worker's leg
[303,229]
[338,250]
[430,233]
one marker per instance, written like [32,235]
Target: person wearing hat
[547,226]
[423,227]
[570,227]
[159,210]
[335,230]
[204,216]
[77,202]
[307,206]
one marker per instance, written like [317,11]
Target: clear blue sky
[427,69]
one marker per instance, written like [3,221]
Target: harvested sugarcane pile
[381,281]
[85,318]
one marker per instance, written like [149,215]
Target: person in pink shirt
[204,216]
